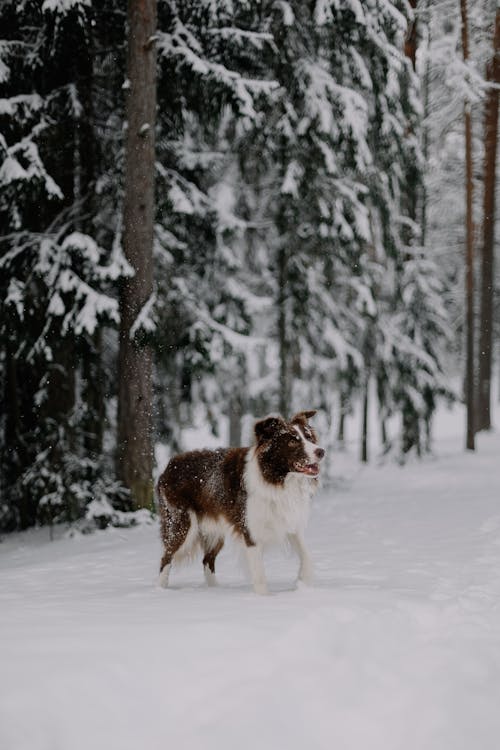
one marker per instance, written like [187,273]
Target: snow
[4,69]
[291,181]
[396,645]
[183,46]
[288,14]
[64,6]
[145,320]
[11,171]
[13,105]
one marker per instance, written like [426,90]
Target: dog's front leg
[306,572]
[256,567]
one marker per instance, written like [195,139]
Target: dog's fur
[259,495]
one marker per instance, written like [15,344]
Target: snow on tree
[289,264]
[57,288]
[214,92]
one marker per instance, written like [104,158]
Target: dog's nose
[319,453]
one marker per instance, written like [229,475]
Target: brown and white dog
[260,495]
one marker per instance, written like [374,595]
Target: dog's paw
[163,577]
[210,578]
[306,576]
[261,589]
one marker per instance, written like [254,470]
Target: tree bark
[469,251]
[425,130]
[411,37]
[284,349]
[342,415]
[487,259]
[235,415]
[135,452]
[364,425]
[410,417]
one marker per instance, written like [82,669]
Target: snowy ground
[396,647]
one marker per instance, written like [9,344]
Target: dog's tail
[163,510]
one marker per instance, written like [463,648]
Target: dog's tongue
[310,469]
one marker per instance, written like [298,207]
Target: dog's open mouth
[311,470]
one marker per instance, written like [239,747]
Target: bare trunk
[235,414]
[469,252]
[285,387]
[135,453]
[425,136]
[94,396]
[383,434]
[342,414]
[411,36]
[364,426]
[487,260]
[410,418]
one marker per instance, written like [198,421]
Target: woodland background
[210,210]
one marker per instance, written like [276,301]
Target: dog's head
[288,447]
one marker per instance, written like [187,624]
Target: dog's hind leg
[211,550]
[165,566]
[175,526]
[306,573]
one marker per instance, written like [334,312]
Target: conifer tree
[57,278]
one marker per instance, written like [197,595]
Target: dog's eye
[294,440]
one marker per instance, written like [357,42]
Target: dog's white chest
[272,512]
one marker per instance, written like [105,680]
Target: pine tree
[212,89]
[57,280]
[412,327]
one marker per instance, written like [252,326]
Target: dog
[259,495]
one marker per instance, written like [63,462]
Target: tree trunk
[342,415]
[135,453]
[364,426]
[411,37]
[94,396]
[284,381]
[487,260]
[469,251]
[86,157]
[235,415]
[425,132]
[410,418]
[411,429]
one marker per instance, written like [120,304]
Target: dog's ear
[266,428]
[303,416]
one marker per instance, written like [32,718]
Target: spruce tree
[58,274]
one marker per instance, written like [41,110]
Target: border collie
[260,495]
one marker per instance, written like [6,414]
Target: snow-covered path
[397,646]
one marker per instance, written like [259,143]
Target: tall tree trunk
[487,260]
[93,377]
[235,415]
[284,380]
[135,453]
[342,415]
[84,176]
[364,424]
[411,37]
[425,129]
[469,251]
[410,417]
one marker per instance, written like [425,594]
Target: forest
[212,211]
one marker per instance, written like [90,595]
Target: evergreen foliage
[289,267]
[57,279]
